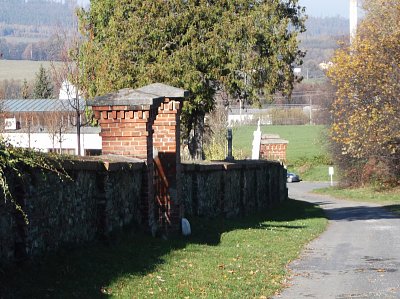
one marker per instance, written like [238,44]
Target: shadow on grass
[85,272]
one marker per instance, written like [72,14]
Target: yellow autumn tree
[365,129]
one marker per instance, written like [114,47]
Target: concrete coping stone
[165,90]
[270,136]
[100,163]
[274,141]
[223,165]
[132,98]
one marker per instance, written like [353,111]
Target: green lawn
[242,258]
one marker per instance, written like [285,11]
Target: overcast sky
[316,8]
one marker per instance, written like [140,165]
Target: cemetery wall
[103,196]
[232,189]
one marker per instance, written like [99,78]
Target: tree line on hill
[326,26]
[37,51]
[28,29]
[320,41]
[37,13]
[40,20]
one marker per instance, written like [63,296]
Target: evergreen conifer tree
[25,90]
[43,88]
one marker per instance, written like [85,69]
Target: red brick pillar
[166,141]
[273,147]
[126,119]
[125,131]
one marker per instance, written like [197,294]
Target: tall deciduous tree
[66,72]
[366,115]
[43,88]
[245,47]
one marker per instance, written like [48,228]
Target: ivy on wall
[14,163]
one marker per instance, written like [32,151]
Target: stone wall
[232,189]
[100,198]
[105,195]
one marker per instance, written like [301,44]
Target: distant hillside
[37,13]
[27,28]
[320,41]
[329,26]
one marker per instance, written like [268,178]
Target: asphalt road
[358,256]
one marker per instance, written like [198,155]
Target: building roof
[44,129]
[37,105]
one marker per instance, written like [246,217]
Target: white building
[68,91]
[46,125]
[248,116]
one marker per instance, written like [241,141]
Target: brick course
[273,148]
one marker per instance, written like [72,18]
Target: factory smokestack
[353,19]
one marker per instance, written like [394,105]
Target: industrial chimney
[353,19]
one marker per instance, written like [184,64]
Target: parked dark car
[292,177]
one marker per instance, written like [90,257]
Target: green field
[304,141]
[306,151]
[20,69]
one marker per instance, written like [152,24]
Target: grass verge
[241,258]
[389,198]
